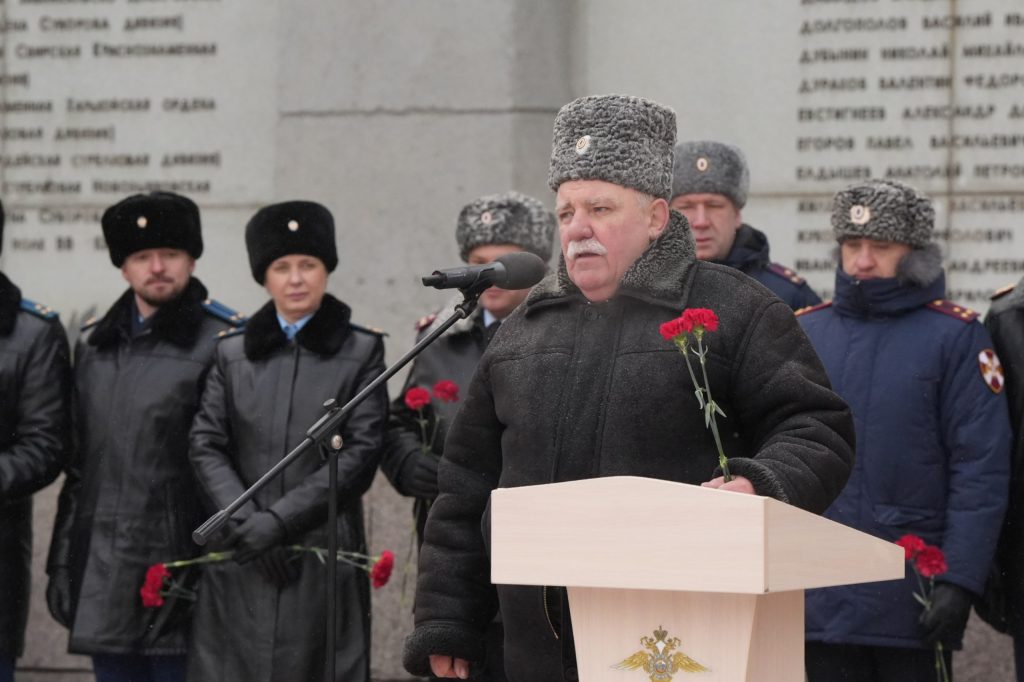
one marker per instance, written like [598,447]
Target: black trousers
[855,663]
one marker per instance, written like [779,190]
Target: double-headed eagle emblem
[661,660]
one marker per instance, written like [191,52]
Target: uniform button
[590,314]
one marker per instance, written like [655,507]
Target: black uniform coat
[35,385]
[750,255]
[130,499]
[262,395]
[572,390]
[1005,591]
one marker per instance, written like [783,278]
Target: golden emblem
[661,660]
[583,144]
[859,214]
[293,225]
[142,222]
[702,164]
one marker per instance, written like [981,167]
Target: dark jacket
[932,446]
[130,499]
[35,382]
[1005,591]
[263,393]
[573,390]
[453,356]
[749,255]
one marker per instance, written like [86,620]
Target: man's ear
[657,218]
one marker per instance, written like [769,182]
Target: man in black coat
[130,499]
[487,228]
[35,382]
[579,383]
[709,186]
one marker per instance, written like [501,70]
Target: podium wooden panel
[723,572]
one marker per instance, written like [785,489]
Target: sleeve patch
[991,370]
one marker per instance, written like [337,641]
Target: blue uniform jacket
[750,255]
[933,446]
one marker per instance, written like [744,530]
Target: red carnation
[673,328]
[381,571]
[446,391]
[930,561]
[151,588]
[417,398]
[911,544]
[700,318]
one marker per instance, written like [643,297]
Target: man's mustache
[158,278]
[585,247]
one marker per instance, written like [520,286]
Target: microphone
[517,270]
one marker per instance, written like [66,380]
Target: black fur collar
[660,273]
[324,334]
[10,303]
[176,322]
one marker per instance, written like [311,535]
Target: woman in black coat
[261,617]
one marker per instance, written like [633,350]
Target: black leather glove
[279,565]
[58,595]
[260,532]
[422,479]
[946,619]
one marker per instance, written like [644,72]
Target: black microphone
[517,270]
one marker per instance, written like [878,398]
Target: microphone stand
[324,431]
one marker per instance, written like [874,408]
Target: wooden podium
[711,580]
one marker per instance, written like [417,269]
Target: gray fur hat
[509,218]
[885,210]
[620,139]
[708,167]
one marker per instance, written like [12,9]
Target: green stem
[941,672]
[423,431]
[723,461]
[211,558]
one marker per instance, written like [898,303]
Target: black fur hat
[158,220]
[288,228]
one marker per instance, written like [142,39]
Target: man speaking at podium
[580,384]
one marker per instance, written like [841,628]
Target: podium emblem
[661,660]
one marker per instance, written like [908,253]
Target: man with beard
[709,186]
[580,384]
[130,499]
[34,431]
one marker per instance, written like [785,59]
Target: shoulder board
[91,322]
[786,273]
[222,312]
[425,321]
[226,333]
[368,330]
[1002,291]
[812,308]
[38,309]
[953,310]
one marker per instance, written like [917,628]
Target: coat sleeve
[41,438]
[305,506]
[67,501]
[455,599]
[801,432]
[401,441]
[211,444]
[977,436]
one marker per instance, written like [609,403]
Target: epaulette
[425,321]
[785,273]
[961,313]
[91,322]
[38,309]
[1002,291]
[368,330]
[811,308]
[222,312]
[226,333]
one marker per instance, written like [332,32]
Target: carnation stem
[723,461]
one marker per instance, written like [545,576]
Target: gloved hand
[260,532]
[946,619]
[58,595]
[422,475]
[279,565]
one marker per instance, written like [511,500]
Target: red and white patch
[991,370]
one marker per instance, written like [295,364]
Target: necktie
[290,330]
